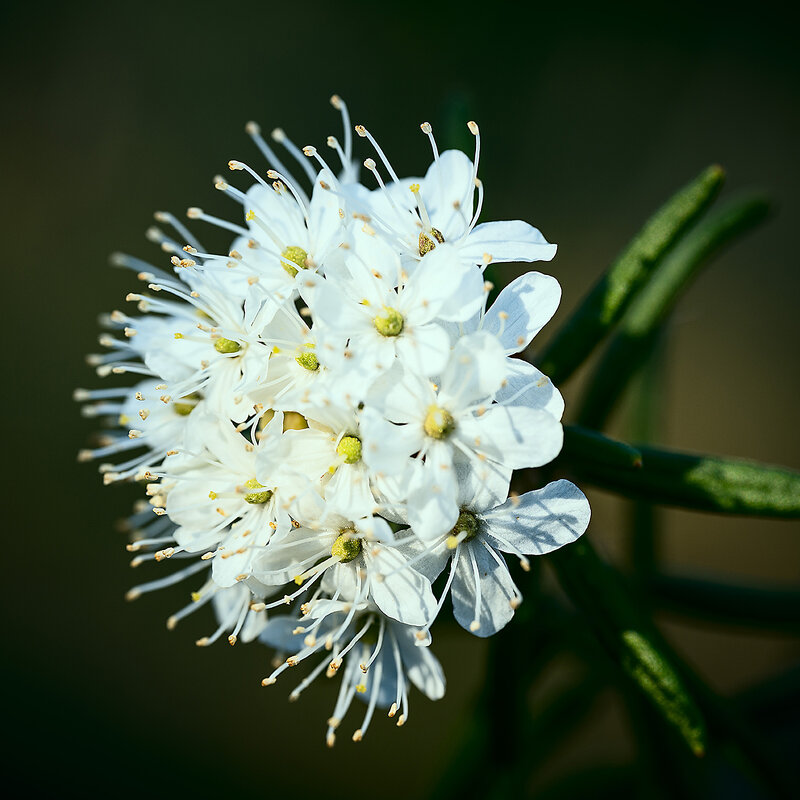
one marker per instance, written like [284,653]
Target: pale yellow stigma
[390,324]
[256,498]
[439,423]
[294,258]
[349,448]
[346,547]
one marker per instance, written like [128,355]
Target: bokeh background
[591,116]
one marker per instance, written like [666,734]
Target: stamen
[428,131]
[341,107]
[254,132]
[311,152]
[475,624]
[301,201]
[162,583]
[365,134]
[251,216]
[170,219]
[198,213]
[278,135]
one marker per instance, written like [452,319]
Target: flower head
[328,415]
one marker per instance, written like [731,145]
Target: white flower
[220,506]
[456,420]
[483,593]
[520,311]
[378,654]
[328,454]
[359,560]
[387,312]
[419,214]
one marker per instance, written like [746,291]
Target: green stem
[629,637]
[638,331]
[607,302]
[674,691]
[764,608]
[706,483]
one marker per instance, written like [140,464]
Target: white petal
[447,191]
[403,594]
[442,287]
[496,589]
[474,372]
[540,521]
[280,562]
[514,436]
[525,385]
[311,453]
[402,396]
[284,217]
[479,489]
[424,349]
[432,494]
[348,492]
[326,227]
[421,666]
[522,309]
[386,447]
[507,241]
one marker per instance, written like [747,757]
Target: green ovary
[467,524]
[256,498]
[308,361]
[223,345]
[350,448]
[294,257]
[391,324]
[439,423]
[346,547]
[186,404]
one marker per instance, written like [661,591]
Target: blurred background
[591,117]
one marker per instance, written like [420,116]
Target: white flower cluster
[331,407]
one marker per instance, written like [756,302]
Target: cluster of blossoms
[327,418]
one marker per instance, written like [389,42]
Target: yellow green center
[256,498]
[223,345]
[308,360]
[294,257]
[186,405]
[390,324]
[346,547]
[467,524]
[439,423]
[350,448]
[426,240]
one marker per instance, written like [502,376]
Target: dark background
[590,118]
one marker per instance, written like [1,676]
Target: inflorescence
[327,417]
